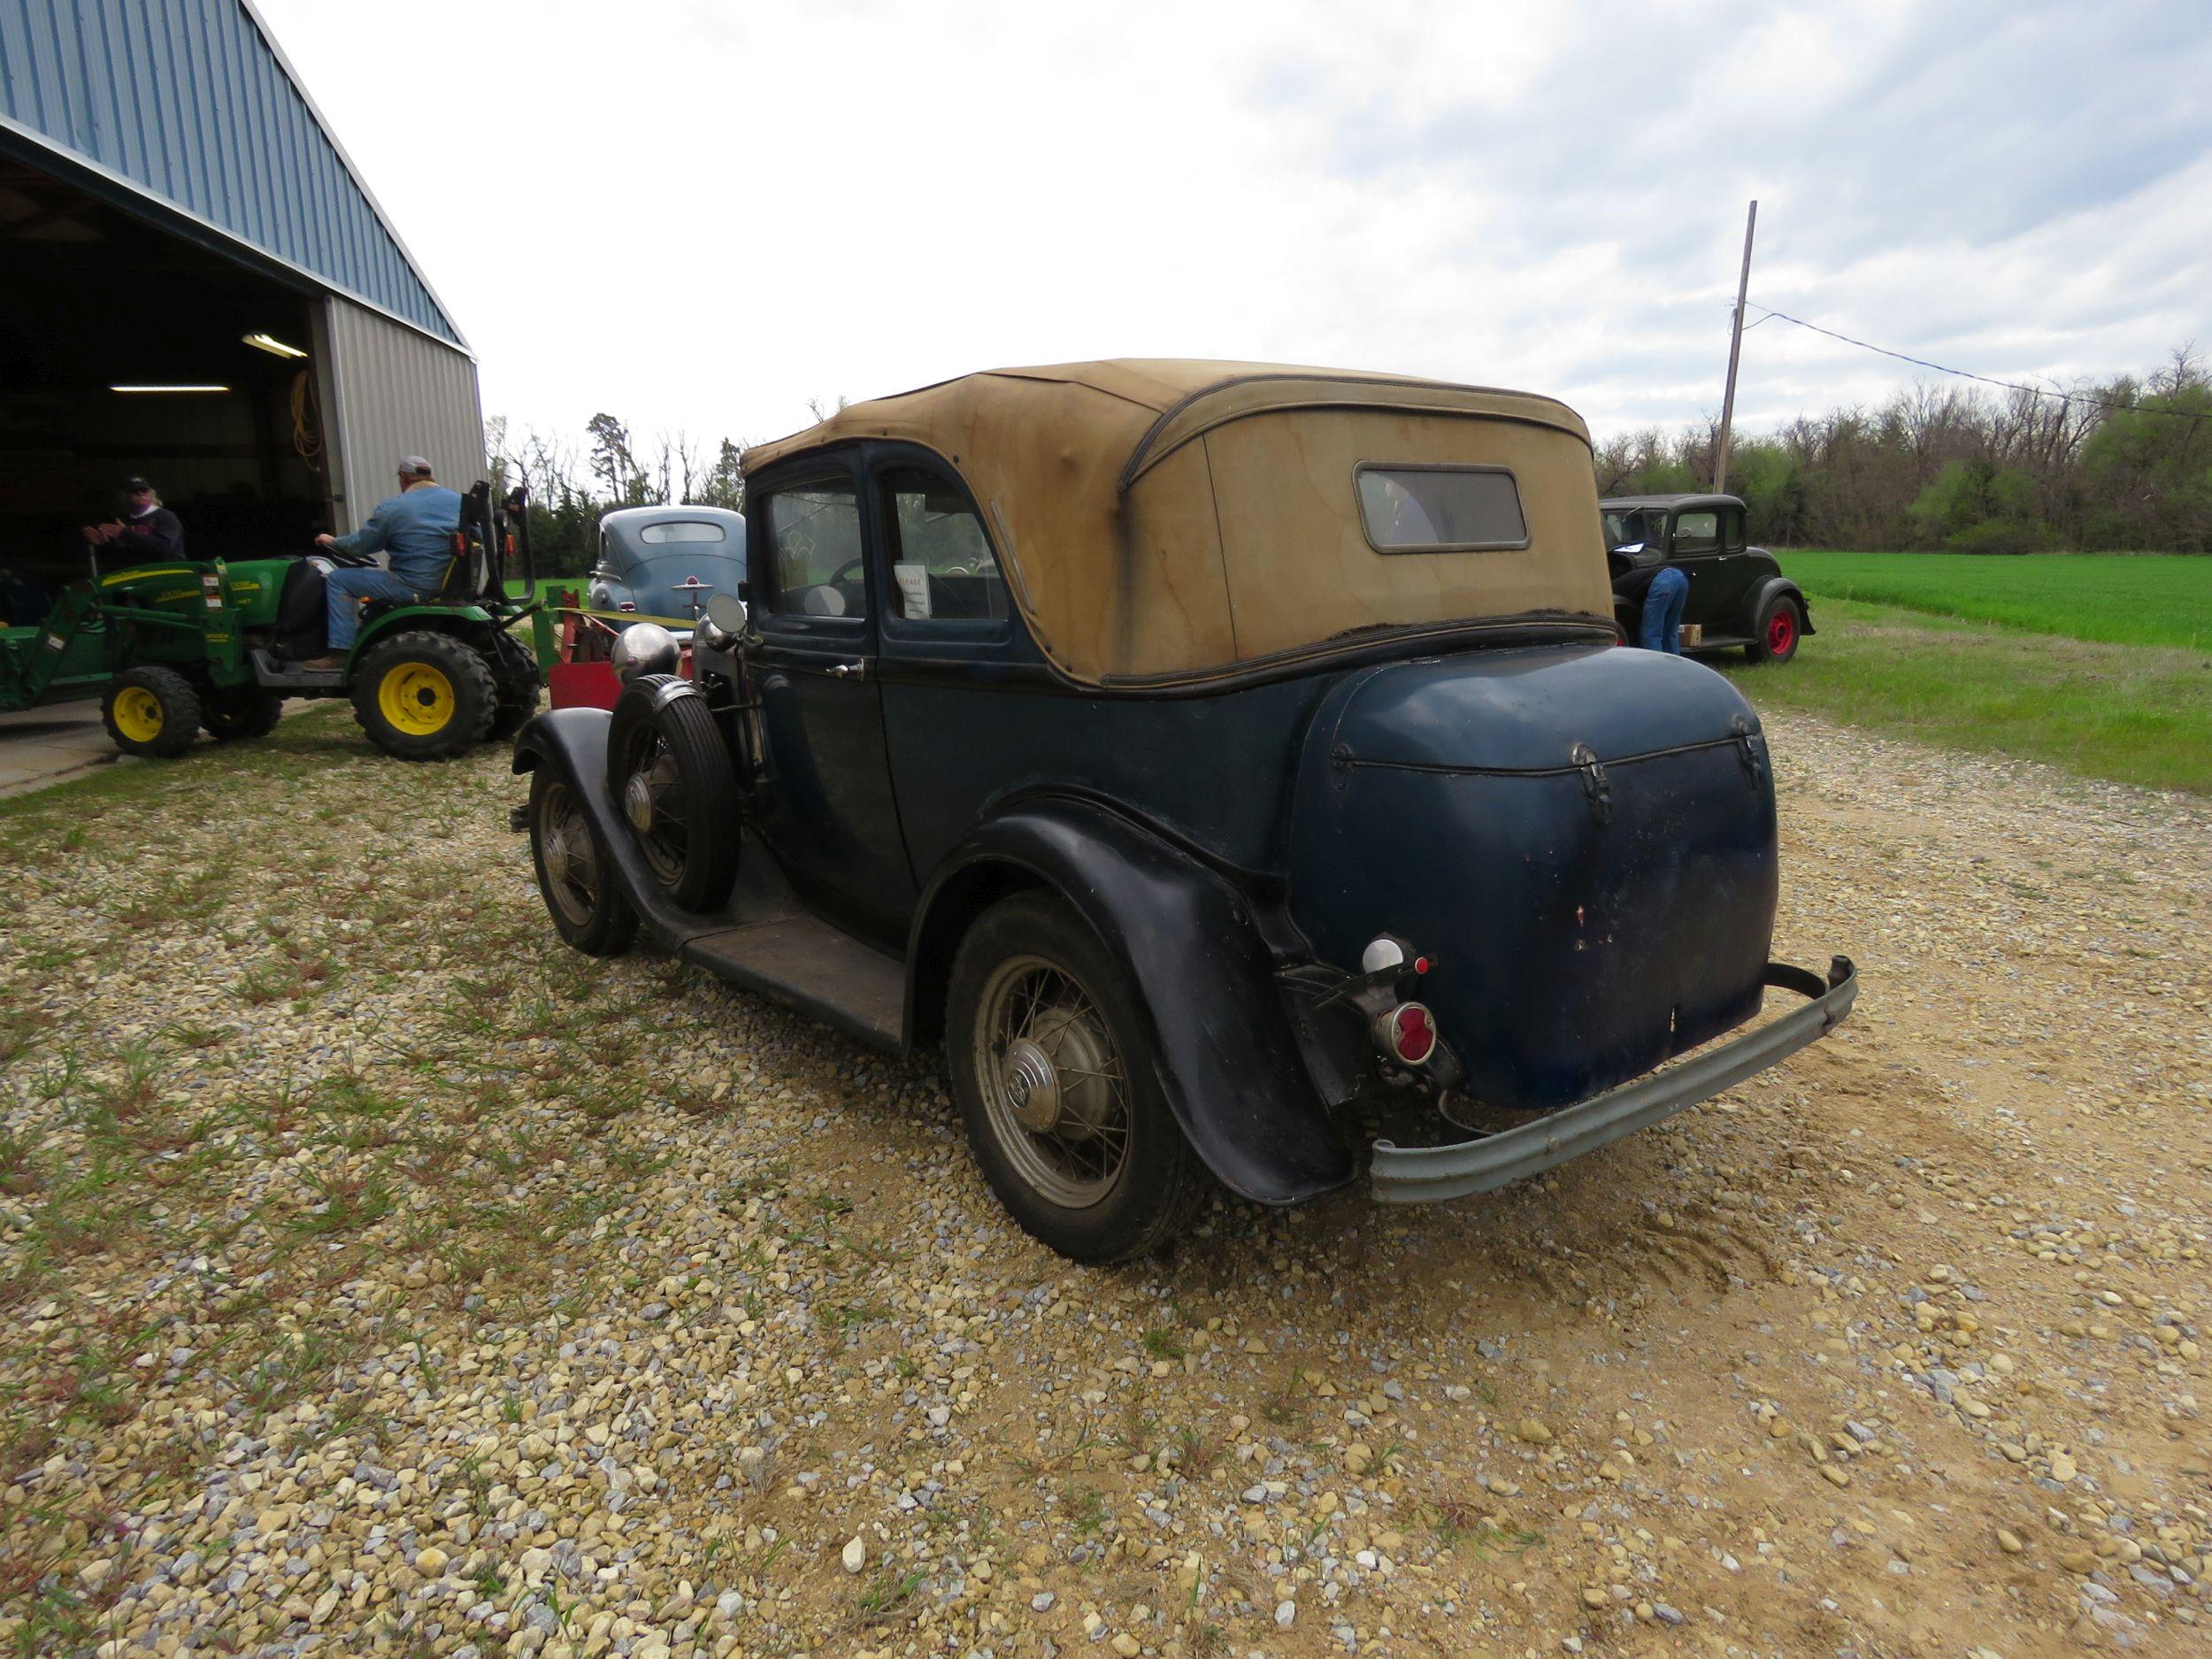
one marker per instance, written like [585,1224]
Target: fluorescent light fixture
[274,347]
[168,388]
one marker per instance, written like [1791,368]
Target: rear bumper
[1415,1175]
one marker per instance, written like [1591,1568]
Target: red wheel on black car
[1054,1072]
[1780,625]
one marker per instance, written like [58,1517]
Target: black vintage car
[1738,596]
[1196,750]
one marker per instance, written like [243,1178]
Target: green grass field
[2100,664]
[2127,599]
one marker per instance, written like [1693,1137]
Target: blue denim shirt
[417,528]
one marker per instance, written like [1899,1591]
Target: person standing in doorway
[1662,627]
[146,530]
[415,530]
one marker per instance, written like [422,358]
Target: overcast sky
[699,214]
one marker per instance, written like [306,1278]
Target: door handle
[851,671]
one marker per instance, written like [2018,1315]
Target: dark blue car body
[1575,843]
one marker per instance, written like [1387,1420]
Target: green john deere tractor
[176,646]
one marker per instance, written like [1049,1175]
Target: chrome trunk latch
[1594,783]
[1746,750]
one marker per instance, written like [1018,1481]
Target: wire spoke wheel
[1052,1082]
[570,859]
[654,802]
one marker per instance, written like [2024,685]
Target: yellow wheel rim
[416,699]
[138,714]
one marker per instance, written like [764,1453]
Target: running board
[805,964]
[275,676]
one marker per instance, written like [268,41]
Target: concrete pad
[41,747]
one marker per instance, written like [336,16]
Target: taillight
[1408,1033]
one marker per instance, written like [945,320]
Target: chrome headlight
[644,648]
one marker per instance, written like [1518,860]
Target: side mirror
[724,621]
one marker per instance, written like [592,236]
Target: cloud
[709,213]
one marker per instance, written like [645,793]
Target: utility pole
[1735,350]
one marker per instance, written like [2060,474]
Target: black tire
[1064,1183]
[576,877]
[516,671]
[424,695]
[242,713]
[1775,636]
[517,705]
[1626,619]
[152,712]
[670,778]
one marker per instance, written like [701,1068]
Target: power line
[1967,374]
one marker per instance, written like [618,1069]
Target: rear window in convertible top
[1440,509]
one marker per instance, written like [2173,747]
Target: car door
[1734,571]
[947,629]
[831,816]
[1693,548]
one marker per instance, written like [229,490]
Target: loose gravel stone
[388,1279]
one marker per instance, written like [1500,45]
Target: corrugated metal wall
[387,392]
[187,100]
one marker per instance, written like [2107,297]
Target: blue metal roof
[190,102]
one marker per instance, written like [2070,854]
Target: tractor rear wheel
[422,696]
[245,712]
[151,712]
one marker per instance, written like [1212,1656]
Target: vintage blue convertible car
[1196,750]
[667,560]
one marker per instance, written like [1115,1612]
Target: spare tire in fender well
[1229,1060]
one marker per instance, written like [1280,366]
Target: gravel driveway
[383,1277]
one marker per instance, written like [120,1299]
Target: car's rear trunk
[1583,838]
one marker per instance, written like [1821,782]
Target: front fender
[574,742]
[1227,1058]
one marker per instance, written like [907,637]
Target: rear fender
[1227,1058]
[1765,590]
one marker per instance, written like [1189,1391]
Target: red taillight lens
[1412,1032]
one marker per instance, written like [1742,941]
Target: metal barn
[197,285]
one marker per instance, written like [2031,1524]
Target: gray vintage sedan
[667,562]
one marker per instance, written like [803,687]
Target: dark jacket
[157,536]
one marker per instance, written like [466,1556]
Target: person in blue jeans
[415,530]
[1662,611]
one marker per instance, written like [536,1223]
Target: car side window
[814,549]
[941,566]
[1732,524]
[1696,532]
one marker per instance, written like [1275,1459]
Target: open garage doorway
[104,318]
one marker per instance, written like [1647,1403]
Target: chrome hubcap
[1052,1082]
[565,848]
[1033,1087]
[637,801]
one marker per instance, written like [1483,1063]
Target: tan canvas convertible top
[1172,520]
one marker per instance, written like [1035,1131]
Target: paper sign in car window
[914,587]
